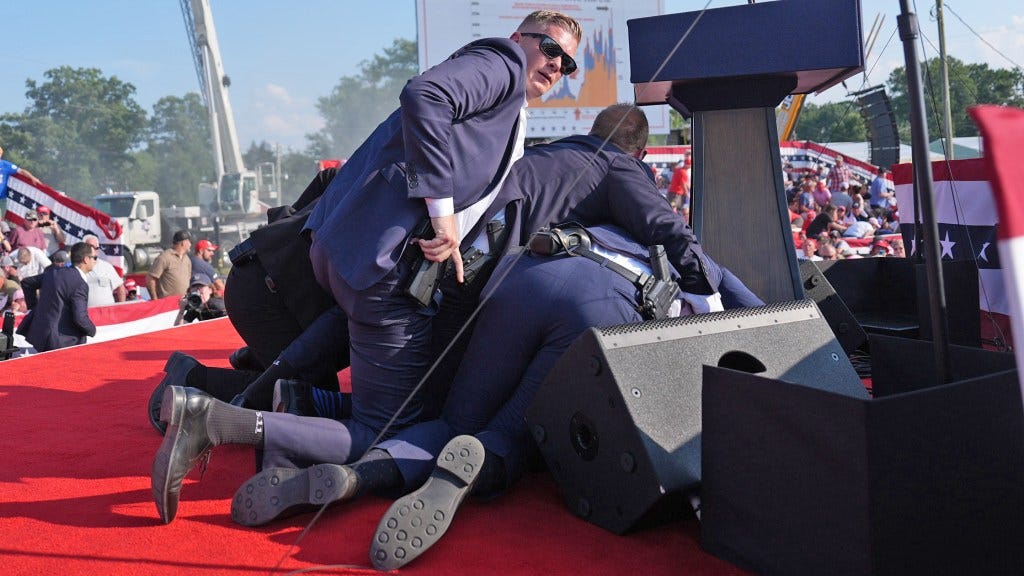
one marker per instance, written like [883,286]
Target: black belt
[242,252]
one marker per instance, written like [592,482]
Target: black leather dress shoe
[416,522]
[187,438]
[177,368]
[280,492]
[294,397]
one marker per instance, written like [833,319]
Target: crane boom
[213,81]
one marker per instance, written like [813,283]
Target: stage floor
[75,492]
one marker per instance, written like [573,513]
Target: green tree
[357,104]
[830,122]
[969,84]
[179,145]
[257,153]
[298,169]
[80,131]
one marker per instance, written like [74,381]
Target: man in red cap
[131,287]
[51,231]
[202,260]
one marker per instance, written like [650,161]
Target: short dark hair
[624,125]
[181,236]
[79,251]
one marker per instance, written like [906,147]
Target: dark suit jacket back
[448,140]
[60,317]
[575,179]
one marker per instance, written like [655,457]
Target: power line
[982,38]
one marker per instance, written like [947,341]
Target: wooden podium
[733,67]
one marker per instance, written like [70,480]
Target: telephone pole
[947,115]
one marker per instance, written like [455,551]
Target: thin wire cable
[958,209]
[590,161]
[485,298]
[982,38]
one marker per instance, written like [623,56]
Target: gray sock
[227,424]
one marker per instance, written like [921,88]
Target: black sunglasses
[552,50]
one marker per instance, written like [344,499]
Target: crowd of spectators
[28,249]
[827,210]
[828,207]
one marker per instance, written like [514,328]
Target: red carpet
[77,449]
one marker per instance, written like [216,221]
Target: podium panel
[804,481]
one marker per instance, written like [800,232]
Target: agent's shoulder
[504,47]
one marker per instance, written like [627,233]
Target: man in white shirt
[31,261]
[105,285]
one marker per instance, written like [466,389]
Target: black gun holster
[655,292]
[422,276]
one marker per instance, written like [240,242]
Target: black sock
[493,477]
[227,424]
[226,383]
[196,377]
[376,471]
[260,393]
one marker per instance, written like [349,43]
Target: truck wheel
[129,263]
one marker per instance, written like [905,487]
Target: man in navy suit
[60,317]
[610,185]
[442,155]
[591,179]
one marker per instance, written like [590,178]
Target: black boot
[178,368]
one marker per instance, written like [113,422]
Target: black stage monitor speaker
[618,419]
[817,287]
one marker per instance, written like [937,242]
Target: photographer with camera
[199,303]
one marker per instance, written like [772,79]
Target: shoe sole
[418,520]
[166,501]
[275,492]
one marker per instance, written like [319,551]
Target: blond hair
[546,18]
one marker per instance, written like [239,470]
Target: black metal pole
[909,33]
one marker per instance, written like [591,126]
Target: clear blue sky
[282,56]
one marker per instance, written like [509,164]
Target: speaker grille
[618,417]
[713,323]
[883,134]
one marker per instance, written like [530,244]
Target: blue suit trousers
[531,319]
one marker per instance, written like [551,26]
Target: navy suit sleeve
[635,204]
[30,286]
[475,79]
[80,308]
